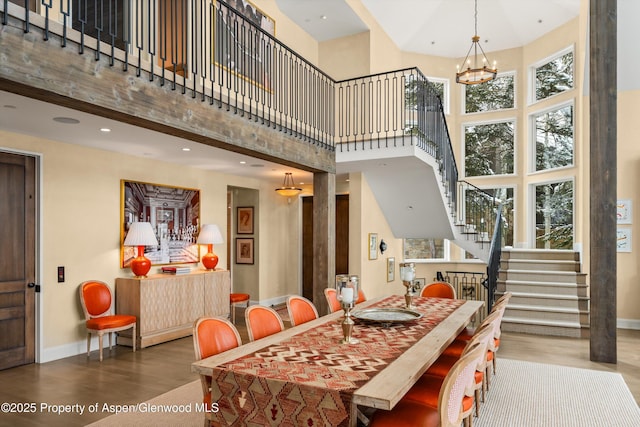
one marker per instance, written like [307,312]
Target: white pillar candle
[347,295]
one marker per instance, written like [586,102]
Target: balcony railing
[208,50]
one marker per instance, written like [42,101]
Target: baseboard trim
[73,349]
[628,324]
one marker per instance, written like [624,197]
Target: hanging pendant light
[475,69]
[288,188]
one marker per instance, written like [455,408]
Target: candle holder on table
[408,274]
[347,289]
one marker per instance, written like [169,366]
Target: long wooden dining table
[305,376]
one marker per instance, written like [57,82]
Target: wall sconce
[140,234]
[209,235]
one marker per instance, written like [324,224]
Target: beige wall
[628,271]
[366,217]
[80,217]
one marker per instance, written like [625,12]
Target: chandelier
[472,72]
[288,188]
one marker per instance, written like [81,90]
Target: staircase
[549,292]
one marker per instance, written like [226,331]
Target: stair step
[551,254]
[545,327]
[543,276]
[552,300]
[557,288]
[536,265]
[543,313]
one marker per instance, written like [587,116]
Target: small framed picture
[419,283]
[623,240]
[244,220]
[624,212]
[391,269]
[373,245]
[244,250]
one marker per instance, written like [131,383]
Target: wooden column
[603,166]
[324,236]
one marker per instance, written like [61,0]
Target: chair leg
[88,344]
[476,397]
[110,334]
[134,338]
[100,334]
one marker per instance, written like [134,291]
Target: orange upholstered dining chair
[451,407]
[211,336]
[439,290]
[301,310]
[361,296]
[235,299]
[332,299]
[96,299]
[444,363]
[262,321]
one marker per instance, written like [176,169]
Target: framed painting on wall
[624,212]
[240,48]
[623,239]
[373,245]
[174,214]
[244,220]
[391,269]
[244,250]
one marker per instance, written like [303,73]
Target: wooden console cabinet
[167,305]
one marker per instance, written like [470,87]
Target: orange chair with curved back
[439,290]
[262,321]
[211,336]
[301,310]
[96,299]
[452,405]
[361,296]
[332,300]
[237,298]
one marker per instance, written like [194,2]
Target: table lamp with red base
[140,234]
[209,235]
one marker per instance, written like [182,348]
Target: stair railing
[495,252]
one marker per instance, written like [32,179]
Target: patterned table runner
[308,379]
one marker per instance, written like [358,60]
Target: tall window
[554,76]
[554,215]
[494,95]
[489,149]
[554,138]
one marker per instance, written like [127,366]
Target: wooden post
[603,167]
[324,236]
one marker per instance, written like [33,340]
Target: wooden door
[342,241]
[17,260]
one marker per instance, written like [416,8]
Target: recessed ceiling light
[242,162]
[323,17]
[186,149]
[66,120]
[106,130]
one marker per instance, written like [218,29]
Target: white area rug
[522,394]
[525,394]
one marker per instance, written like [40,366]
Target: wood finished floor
[125,377]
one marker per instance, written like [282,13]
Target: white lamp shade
[209,234]
[140,234]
